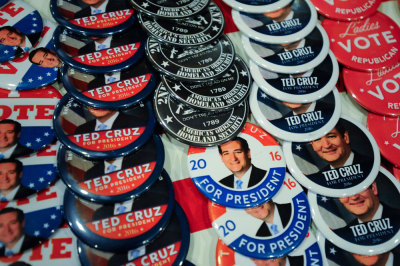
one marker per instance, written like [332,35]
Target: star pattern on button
[41,180]
[176,87]
[31,185]
[165,64]
[243,73]
[332,251]
[215,28]
[324,199]
[226,43]
[168,119]
[263,95]
[298,147]
[145,4]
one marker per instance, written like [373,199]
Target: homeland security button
[375,91]
[388,139]
[28,175]
[21,28]
[26,120]
[287,24]
[341,163]
[33,69]
[264,231]
[30,221]
[169,9]
[97,18]
[111,90]
[170,248]
[293,57]
[198,63]
[125,225]
[366,223]
[195,127]
[347,10]
[218,94]
[308,253]
[102,133]
[304,87]
[369,44]
[295,121]
[244,172]
[113,180]
[196,30]
[257,6]
[99,54]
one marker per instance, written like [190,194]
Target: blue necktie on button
[3,198]
[101,46]
[111,79]
[1,156]
[239,184]
[9,253]
[274,229]
[97,11]
[121,209]
[111,168]
[102,127]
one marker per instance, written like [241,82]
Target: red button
[386,132]
[369,44]
[346,10]
[376,91]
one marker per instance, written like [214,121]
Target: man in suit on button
[44,57]
[335,149]
[275,217]
[106,119]
[13,37]
[10,132]
[10,181]
[235,154]
[12,235]
[367,207]
[101,6]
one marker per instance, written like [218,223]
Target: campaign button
[307,254]
[24,176]
[343,162]
[59,249]
[366,223]
[124,225]
[293,57]
[117,179]
[195,30]
[33,69]
[170,248]
[196,64]
[257,6]
[336,254]
[196,127]
[287,24]
[243,172]
[347,10]
[89,18]
[26,120]
[295,121]
[99,54]
[218,94]
[376,91]
[21,28]
[367,45]
[303,87]
[255,233]
[32,219]
[97,133]
[113,90]
[169,9]
[387,139]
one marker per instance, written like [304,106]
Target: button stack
[119,203]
